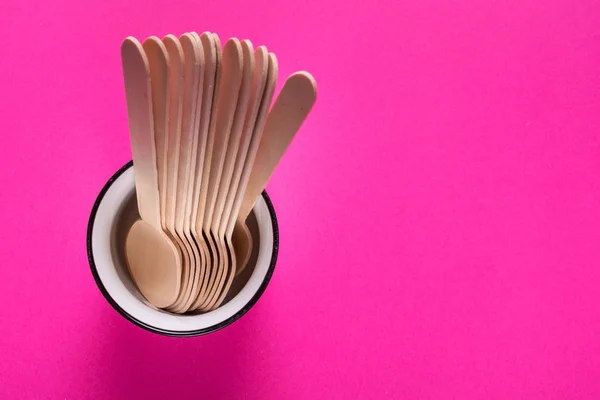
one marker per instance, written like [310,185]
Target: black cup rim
[165,332]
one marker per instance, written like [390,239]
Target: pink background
[439,210]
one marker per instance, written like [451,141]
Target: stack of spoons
[204,146]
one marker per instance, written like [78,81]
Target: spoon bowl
[151,256]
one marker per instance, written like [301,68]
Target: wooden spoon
[192,44]
[153,260]
[261,70]
[233,144]
[239,233]
[261,58]
[174,100]
[183,189]
[291,108]
[229,89]
[206,131]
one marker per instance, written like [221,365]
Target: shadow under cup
[115,210]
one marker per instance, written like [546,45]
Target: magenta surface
[439,210]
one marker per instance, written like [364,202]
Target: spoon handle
[249,142]
[136,73]
[291,108]
[159,63]
[229,89]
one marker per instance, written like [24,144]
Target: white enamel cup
[114,212]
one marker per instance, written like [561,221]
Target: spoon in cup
[291,108]
[153,260]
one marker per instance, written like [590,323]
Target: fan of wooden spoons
[205,142]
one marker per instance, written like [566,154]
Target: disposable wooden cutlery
[204,145]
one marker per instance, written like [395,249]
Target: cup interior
[113,214]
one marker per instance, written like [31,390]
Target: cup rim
[161,331]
